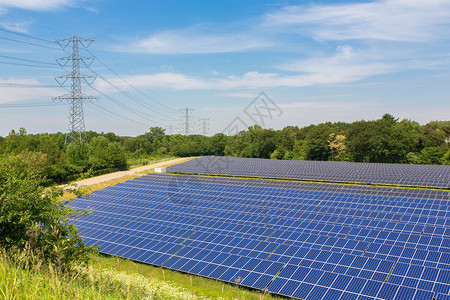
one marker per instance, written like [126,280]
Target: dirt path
[135,171]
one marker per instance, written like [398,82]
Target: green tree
[383,141]
[153,133]
[432,155]
[337,146]
[446,158]
[316,142]
[103,154]
[31,215]
[78,154]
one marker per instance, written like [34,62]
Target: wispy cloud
[393,20]
[374,38]
[343,66]
[165,80]
[21,27]
[36,5]
[346,65]
[196,40]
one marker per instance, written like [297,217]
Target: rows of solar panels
[302,240]
[398,174]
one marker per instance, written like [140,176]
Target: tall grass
[23,276]
[206,287]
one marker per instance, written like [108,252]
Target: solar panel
[303,240]
[397,174]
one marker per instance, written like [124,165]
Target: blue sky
[318,61]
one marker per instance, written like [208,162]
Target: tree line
[385,140]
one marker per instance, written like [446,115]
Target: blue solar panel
[399,174]
[443,297]
[295,239]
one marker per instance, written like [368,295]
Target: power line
[131,97]
[26,85]
[28,60]
[129,84]
[27,65]
[26,35]
[28,43]
[116,114]
[29,105]
[132,110]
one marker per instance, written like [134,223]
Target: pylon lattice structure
[76,128]
[186,119]
[205,126]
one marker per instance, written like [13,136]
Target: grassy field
[198,286]
[24,277]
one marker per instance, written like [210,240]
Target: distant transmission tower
[75,98]
[205,126]
[186,119]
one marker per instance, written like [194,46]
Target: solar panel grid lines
[239,228]
[394,174]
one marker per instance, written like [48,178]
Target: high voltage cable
[136,89]
[26,35]
[29,60]
[129,96]
[27,65]
[6,84]
[28,43]
[132,110]
[117,115]
[29,105]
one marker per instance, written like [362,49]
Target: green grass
[22,276]
[201,286]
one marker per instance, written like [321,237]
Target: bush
[31,216]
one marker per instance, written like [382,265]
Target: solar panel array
[303,240]
[399,174]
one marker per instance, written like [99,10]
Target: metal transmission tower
[205,126]
[186,119]
[75,98]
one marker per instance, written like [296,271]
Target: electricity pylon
[75,98]
[205,126]
[186,119]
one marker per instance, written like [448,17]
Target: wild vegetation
[386,140]
[33,218]
[43,257]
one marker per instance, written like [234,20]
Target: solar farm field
[301,240]
[393,174]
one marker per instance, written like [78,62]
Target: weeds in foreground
[23,276]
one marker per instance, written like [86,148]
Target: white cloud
[193,41]
[243,95]
[21,27]
[249,80]
[165,80]
[393,20]
[37,5]
[345,65]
